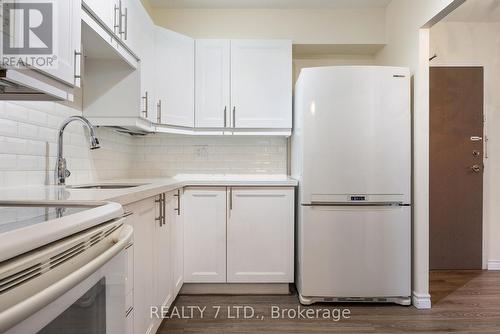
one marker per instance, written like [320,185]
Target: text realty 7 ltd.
[248,312]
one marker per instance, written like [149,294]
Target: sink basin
[108,186]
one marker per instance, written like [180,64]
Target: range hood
[30,84]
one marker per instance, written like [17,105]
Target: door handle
[476,138]
[476,168]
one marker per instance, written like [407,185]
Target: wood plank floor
[463,302]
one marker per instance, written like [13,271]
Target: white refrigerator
[351,152]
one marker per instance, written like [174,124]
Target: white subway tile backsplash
[28,149]
[8,127]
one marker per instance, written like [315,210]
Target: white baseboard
[421,301]
[493,265]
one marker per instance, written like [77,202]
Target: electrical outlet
[202,152]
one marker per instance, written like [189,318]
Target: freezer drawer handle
[357,204]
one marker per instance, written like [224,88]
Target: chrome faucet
[62,172]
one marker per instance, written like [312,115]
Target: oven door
[90,299]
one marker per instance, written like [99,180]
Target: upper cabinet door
[68,16]
[212,83]
[105,11]
[174,67]
[145,48]
[131,23]
[261,84]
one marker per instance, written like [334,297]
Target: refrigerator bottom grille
[405,301]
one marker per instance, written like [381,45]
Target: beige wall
[303,26]
[332,60]
[461,44]
[408,45]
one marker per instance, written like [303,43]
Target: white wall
[460,43]
[333,60]
[407,45]
[303,26]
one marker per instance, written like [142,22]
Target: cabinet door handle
[158,112]
[164,196]
[230,199]
[77,56]
[145,98]
[124,32]
[225,116]
[234,117]
[160,207]
[178,209]
[118,18]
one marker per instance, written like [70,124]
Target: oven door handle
[33,304]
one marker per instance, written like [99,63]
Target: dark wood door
[456,167]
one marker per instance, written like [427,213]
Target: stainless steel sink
[108,186]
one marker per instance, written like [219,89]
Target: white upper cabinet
[68,46]
[260,235]
[174,82]
[121,17]
[261,84]
[145,47]
[205,235]
[244,84]
[212,83]
[132,22]
[106,11]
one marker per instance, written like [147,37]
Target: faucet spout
[61,171]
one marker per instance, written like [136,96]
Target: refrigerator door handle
[356,204]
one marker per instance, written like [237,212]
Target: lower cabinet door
[163,259]
[175,218]
[205,235]
[260,235]
[142,221]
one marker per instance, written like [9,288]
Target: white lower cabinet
[157,263]
[175,217]
[260,235]
[163,256]
[205,235]
[142,220]
[239,235]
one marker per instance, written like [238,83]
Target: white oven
[75,285]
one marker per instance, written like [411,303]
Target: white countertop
[151,187]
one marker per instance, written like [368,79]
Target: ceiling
[476,11]
[281,4]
